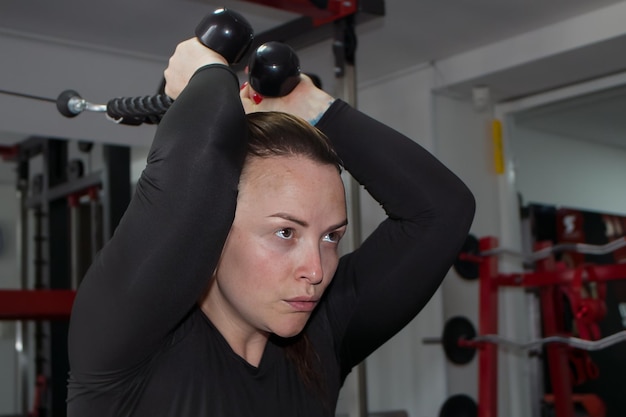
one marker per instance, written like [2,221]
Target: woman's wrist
[319,102]
[322,110]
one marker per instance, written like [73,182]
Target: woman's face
[281,252]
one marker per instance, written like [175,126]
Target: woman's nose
[311,266]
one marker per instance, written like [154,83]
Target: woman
[221,292]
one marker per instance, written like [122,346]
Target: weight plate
[458,328]
[468,269]
[459,405]
[75,169]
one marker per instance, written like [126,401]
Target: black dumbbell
[274,69]
[227,33]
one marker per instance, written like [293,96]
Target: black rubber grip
[138,110]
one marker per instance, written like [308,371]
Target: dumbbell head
[274,69]
[227,33]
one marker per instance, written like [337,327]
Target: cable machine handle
[224,31]
[273,70]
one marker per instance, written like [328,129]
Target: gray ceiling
[410,33]
[599,117]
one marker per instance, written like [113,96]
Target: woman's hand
[306,101]
[189,56]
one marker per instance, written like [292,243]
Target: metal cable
[31,96]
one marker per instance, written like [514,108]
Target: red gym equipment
[573,296]
[552,281]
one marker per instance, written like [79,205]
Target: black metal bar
[68,188]
[116,183]
[59,270]
[301,32]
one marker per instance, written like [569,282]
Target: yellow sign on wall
[498,147]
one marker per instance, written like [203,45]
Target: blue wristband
[317,118]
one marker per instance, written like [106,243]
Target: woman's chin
[287,330]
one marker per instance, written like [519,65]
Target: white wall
[405,374]
[465,144]
[563,171]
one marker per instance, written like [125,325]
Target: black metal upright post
[116,183]
[51,194]
[21,337]
[344,50]
[56,159]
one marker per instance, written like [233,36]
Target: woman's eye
[285,233]
[332,237]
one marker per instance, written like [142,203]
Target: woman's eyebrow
[304,223]
[339,225]
[290,218]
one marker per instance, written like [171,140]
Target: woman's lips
[304,304]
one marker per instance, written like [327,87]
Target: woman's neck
[247,342]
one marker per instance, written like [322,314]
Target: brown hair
[282,134]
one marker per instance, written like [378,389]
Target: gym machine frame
[313,23]
[546,279]
[53,197]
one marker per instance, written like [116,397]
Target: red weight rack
[550,279]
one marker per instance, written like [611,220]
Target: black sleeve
[381,286]
[162,254]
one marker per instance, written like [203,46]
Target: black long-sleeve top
[139,344]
